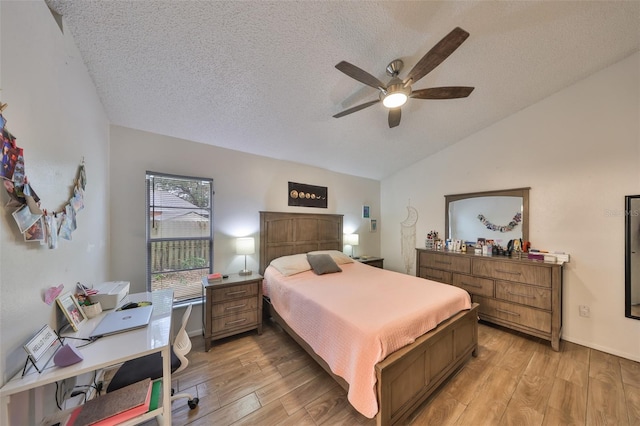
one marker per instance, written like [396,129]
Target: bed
[406,376]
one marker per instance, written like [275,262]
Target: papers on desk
[114,407]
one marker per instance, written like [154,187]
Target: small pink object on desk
[215,277]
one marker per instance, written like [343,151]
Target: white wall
[244,184]
[57,118]
[579,151]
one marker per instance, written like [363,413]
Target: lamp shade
[245,245]
[351,239]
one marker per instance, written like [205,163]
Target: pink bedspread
[355,318]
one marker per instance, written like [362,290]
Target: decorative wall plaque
[303,195]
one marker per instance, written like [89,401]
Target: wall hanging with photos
[35,223]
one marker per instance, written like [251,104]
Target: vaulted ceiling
[260,76]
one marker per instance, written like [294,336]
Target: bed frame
[407,377]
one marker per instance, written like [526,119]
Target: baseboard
[196,333]
[632,357]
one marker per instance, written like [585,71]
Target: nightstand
[372,261]
[231,306]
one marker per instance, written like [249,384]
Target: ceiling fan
[396,92]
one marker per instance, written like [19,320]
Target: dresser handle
[235,307]
[508,272]
[528,296]
[508,312]
[471,285]
[236,321]
[233,293]
[443,262]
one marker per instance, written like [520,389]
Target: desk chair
[134,370]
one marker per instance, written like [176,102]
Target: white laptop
[125,320]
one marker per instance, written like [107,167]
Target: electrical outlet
[585,311]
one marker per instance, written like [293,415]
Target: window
[179,233]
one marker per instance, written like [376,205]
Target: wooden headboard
[283,234]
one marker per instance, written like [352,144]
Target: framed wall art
[304,195]
[365,212]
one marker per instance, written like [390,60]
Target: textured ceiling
[259,76]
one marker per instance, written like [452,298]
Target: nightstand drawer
[474,285]
[231,306]
[234,292]
[231,322]
[538,297]
[234,306]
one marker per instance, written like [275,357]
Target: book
[215,277]
[114,407]
[156,392]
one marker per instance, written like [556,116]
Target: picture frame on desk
[45,341]
[72,311]
[41,342]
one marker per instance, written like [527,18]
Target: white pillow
[291,265]
[337,256]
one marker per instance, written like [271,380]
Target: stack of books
[118,406]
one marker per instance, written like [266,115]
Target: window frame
[149,176]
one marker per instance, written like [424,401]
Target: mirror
[632,256]
[498,215]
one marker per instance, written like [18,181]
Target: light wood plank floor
[515,380]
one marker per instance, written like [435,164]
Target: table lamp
[245,246]
[351,240]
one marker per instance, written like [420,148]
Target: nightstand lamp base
[245,272]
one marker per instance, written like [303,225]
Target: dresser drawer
[231,322]
[513,271]
[436,275]
[446,262]
[516,314]
[474,285]
[234,292]
[234,306]
[538,297]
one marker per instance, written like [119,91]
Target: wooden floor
[515,380]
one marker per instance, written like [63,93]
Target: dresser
[231,306]
[521,294]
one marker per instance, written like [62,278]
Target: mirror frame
[516,192]
[627,255]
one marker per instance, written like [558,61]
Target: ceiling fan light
[395,100]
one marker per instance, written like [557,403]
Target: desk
[108,351]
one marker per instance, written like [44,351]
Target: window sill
[185,303]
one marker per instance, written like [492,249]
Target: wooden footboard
[407,377]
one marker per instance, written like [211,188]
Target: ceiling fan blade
[437,54]
[394,117]
[360,75]
[442,92]
[356,108]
